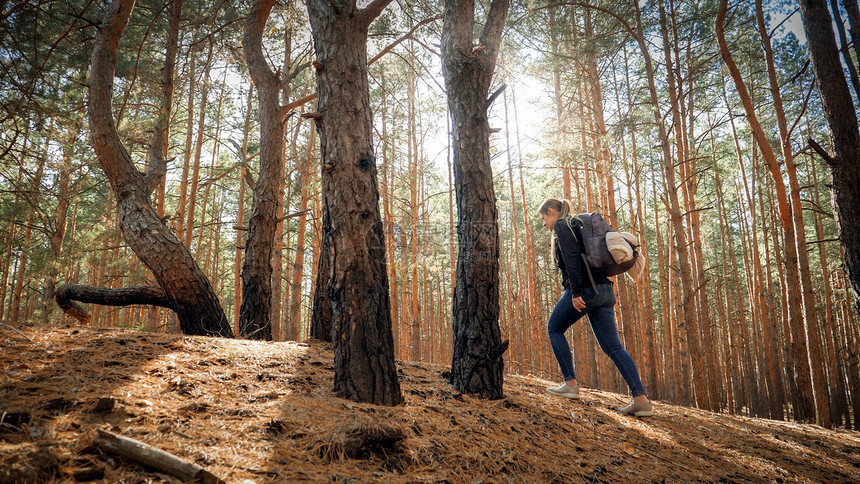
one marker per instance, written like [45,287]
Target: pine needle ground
[265,412]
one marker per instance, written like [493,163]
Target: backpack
[605,249]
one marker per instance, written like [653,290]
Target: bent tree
[184,286]
[477,364]
[353,245]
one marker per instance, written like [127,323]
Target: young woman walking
[580,298]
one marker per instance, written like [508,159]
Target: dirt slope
[264,412]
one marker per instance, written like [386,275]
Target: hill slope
[265,412]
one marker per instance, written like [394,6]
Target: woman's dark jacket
[568,258]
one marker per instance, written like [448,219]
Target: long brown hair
[560,206]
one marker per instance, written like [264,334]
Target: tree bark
[477,365]
[846,52]
[355,257]
[255,313]
[67,295]
[321,323]
[154,457]
[844,136]
[186,287]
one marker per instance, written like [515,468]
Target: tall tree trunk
[186,158]
[415,322]
[841,119]
[7,266]
[833,338]
[255,313]
[298,264]
[357,274]
[477,365]
[158,149]
[55,242]
[321,322]
[387,217]
[846,52]
[186,287]
[210,182]
[21,272]
[686,308]
[758,304]
[240,213]
[651,367]
[519,284]
[198,150]
[813,332]
[795,296]
[533,292]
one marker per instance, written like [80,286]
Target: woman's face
[549,218]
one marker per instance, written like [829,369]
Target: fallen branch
[67,294]
[17,331]
[153,457]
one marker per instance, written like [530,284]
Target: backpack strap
[581,251]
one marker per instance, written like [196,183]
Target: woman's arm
[570,255]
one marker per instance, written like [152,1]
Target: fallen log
[67,294]
[153,457]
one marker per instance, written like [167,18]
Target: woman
[581,298]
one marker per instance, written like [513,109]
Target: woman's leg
[562,317]
[603,325]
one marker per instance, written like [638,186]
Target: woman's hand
[578,303]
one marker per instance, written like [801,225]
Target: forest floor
[265,412]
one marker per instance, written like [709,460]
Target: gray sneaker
[637,409]
[565,390]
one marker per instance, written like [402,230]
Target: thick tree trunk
[477,365]
[9,238]
[844,136]
[187,288]
[357,275]
[255,314]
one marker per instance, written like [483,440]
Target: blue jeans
[600,308]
